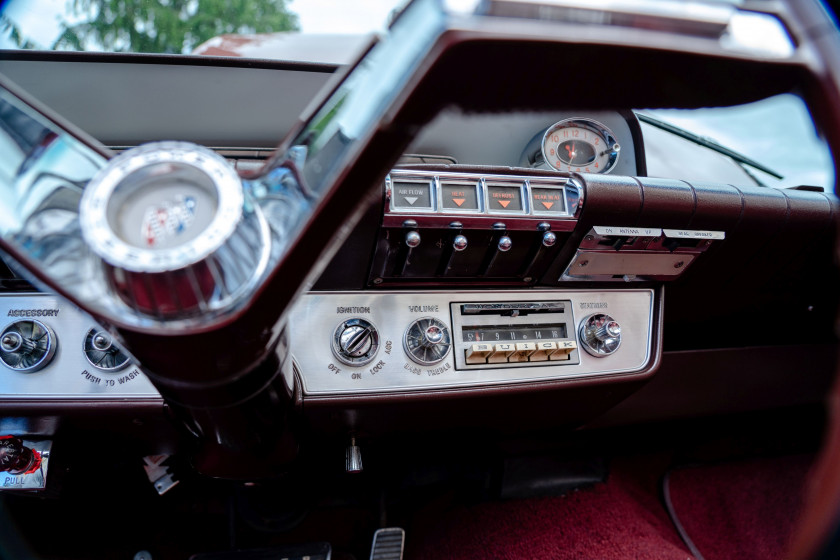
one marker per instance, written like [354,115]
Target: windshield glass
[177,26]
[777,132]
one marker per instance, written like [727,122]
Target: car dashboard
[484,266]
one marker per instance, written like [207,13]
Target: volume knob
[600,335]
[427,341]
[355,342]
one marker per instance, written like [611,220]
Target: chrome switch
[27,346]
[355,342]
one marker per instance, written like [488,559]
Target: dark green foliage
[7,26]
[169,26]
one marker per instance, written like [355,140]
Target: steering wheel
[197,289]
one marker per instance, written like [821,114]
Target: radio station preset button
[544,349]
[564,350]
[555,351]
[477,353]
[408,195]
[500,354]
[523,352]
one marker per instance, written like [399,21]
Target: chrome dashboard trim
[524,219]
[69,376]
[314,317]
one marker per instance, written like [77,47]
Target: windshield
[177,26]
[777,133]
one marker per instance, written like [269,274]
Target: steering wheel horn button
[170,222]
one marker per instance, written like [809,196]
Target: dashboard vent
[242,159]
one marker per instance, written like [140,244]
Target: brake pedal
[388,544]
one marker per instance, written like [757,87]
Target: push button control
[564,350]
[523,352]
[543,351]
[477,353]
[500,354]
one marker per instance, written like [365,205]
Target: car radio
[517,334]
[369,342]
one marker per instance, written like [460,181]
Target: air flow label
[412,195]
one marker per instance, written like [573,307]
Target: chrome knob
[353,458]
[102,353]
[170,223]
[27,346]
[600,335]
[609,329]
[505,243]
[355,342]
[412,239]
[549,239]
[459,243]
[427,341]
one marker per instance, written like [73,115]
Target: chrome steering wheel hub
[160,207]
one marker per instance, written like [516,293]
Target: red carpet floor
[744,510]
[621,519]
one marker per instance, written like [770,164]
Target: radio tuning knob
[355,342]
[600,335]
[427,341]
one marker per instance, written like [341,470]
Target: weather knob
[172,226]
[355,342]
[600,335]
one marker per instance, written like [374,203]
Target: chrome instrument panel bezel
[69,376]
[589,124]
[97,198]
[572,195]
[391,370]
